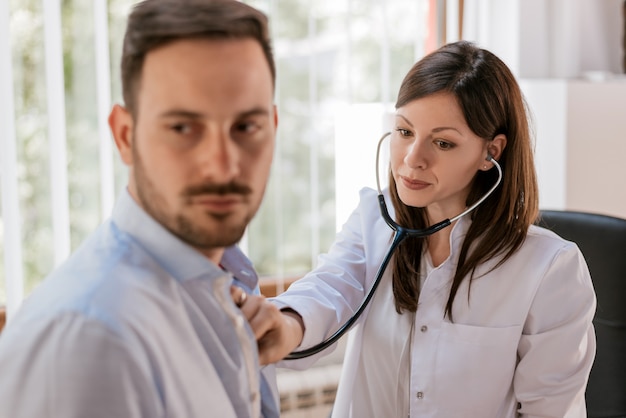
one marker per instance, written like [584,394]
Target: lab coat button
[424,328]
[420,395]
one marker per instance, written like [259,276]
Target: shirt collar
[178,258]
[459,231]
[240,266]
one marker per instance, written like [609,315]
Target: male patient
[140,320]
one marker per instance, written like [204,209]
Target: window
[339,66]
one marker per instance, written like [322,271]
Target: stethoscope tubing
[399,234]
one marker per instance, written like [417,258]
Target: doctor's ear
[494,149]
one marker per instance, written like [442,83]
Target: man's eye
[181,128]
[246,127]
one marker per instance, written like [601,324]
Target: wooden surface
[3,317]
[271,286]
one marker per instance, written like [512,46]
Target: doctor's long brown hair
[492,104]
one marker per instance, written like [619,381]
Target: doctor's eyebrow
[405,119]
[435,130]
[446,128]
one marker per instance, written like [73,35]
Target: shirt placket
[222,294]
[427,324]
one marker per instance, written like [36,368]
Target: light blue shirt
[135,323]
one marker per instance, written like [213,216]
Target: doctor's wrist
[295,324]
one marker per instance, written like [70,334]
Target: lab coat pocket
[475,367]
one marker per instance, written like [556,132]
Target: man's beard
[224,233]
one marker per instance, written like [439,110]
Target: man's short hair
[153,23]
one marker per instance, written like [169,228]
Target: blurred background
[340,63]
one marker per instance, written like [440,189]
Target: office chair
[602,240]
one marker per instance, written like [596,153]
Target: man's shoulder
[104,280]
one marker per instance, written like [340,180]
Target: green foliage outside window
[293,224]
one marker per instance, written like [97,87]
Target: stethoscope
[400,234]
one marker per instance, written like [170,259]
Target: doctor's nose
[416,155]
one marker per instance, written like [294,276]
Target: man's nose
[219,157]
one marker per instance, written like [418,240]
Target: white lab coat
[523,336]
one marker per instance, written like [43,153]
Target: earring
[485,167]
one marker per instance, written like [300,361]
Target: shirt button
[424,328]
[420,395]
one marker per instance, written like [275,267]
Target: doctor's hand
[277,332]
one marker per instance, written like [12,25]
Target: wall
[581,143]
[596,126]
[568,57]
[549,38]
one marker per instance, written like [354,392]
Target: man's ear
[121,124]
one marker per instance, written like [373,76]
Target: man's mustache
[219,189]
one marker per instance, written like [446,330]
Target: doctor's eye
[444,145]
[403,132]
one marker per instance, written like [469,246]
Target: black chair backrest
[602,240]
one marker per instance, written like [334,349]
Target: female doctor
[488,317]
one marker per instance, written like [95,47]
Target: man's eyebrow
[181,113]
[188,114]
[257,111]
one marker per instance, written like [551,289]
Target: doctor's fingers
[273,347]
[263,316]
[280,340]
[238,295]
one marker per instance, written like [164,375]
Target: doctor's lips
[413,184]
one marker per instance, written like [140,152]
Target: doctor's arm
[557,347]
[327,297]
